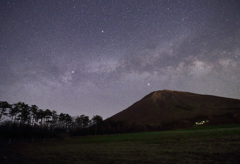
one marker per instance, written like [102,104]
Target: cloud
[227,63]
[200,68]
[67,77]
[103,66]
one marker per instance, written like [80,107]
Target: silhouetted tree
[96,121]
[17,107]
[61,119]
[54,121]
[47,115]
[4,105]
[68,119]
[13,112]
[24,113]
[65,119]
[54,116]
[40,115]
[34,111]
[82,121]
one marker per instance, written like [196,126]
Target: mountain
[174,109]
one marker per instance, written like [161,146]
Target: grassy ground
[212,145]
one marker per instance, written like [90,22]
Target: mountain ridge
[167,107]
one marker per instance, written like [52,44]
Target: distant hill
[174,109]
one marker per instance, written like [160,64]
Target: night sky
[98,57]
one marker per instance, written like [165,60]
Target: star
[116,51]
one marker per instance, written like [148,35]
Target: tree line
[22,113]
[20,120]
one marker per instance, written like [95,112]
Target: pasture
[205,145]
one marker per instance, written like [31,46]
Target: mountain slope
[173,107]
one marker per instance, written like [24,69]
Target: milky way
[99,57]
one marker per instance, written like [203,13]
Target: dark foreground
[209,145]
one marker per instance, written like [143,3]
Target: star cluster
[100,56]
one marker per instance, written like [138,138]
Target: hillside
[175,109]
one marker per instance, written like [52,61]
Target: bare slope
[186,108]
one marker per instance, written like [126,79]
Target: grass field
[206,145]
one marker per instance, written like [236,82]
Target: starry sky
[97,57]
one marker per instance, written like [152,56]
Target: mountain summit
[177,109]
